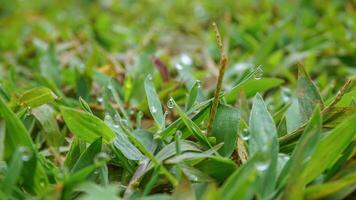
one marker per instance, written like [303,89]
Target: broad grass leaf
[251,87]
[16,133]
[330,190]
[308,95]
[225,127]
[36,97]
[45,116]
[17,136]
[293,116]
[193,155]
[264,145]
[170,150]
[211,193]
[49,65]
[194,174]
[192,127]
[346,100]
[88,156]
[304,148]
[76,148]
[154,103]
[92,191]
[86,126]
[241,183]
[85,105]
[184,191]
[13,173]
[192,97]
[124,145]
[324,156]
[217,167]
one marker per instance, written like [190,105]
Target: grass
[150,100]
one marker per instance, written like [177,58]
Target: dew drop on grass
[286,94]
[170,103]
[186,59]
[110,87]
[198,83]
[263,160]
[259,73]
[124,122]
[244,134]
[100,99]
[26,153]
[261,165]
[100,157]
[107,117]
[179,66]
[153,109]
[149,77]
[157,136]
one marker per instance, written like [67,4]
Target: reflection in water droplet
[102,156]
[170,103]
[26,153]
[259,73]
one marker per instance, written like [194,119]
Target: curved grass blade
[154,103]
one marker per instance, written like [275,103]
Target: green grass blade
[86,126]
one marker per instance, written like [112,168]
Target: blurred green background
[61,43]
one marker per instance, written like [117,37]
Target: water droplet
[198,83]
[286,94]
[26,153]
[179,133]
[194,178]
[153,109]
[258,73]
[157,137]
[116,126]
[244,134]
[100,99]
[179,67]
[96,172]
[107,117]
[261,166]
[186,59]
[170,103]
[124,122]
[29,108]
[263,160]
[149,77]
[110,87]
[102,156]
